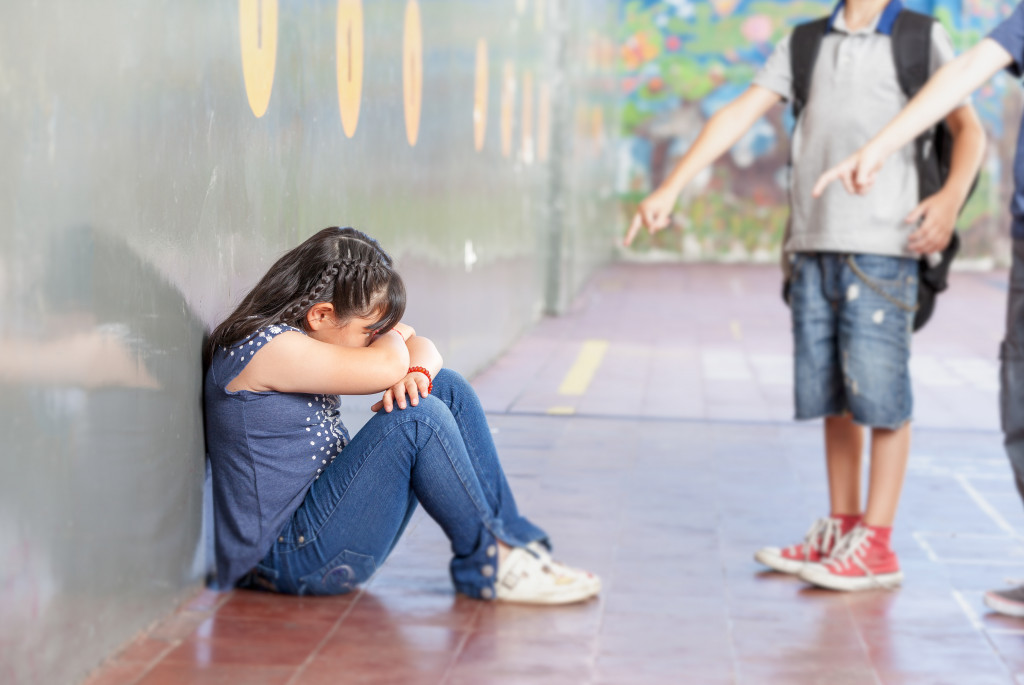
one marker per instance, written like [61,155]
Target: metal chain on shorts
[877,288]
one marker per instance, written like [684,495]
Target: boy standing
[853,263]
[1002,49]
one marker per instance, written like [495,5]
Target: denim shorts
[851,336]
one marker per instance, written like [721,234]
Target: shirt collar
[883,23]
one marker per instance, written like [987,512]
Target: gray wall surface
[143,189]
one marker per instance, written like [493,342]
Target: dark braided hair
[342,266]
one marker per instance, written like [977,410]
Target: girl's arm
[422,353]
[948,87]
[293,362]
[723,129]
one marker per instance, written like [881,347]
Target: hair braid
[340,266]
[316,294]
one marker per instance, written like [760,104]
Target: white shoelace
[824,533]
[849,550]
[849,547]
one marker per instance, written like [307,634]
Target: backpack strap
[911,53]
[912,50]
[803,53]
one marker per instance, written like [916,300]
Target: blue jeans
[1011,391]
[851,340]
[440,454]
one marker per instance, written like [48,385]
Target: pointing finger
[634,228]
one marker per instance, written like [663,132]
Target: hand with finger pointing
[857,172]
[653,213]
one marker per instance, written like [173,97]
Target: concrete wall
[150,174]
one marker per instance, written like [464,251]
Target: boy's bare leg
[889,452]
[844,447]
[865,560]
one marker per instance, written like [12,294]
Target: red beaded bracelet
[395,330]
[430,381]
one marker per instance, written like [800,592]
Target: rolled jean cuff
[474,575]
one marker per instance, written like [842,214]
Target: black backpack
[933,149]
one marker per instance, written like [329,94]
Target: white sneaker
[526,578]
[544,555]
[1009,601]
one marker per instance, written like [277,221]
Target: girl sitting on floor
[301,508]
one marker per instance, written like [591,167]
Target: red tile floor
[673,462]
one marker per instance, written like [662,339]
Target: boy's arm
[721,132]
[937,214]
[949,86]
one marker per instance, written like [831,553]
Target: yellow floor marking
[577,380]
[737,331]
[561,411]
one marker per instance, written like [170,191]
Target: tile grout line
[964,605]
[174,644]
[972,616]
[926,546]
[863,642]
[979,627]
[603,598]
[155,662]
[620,497]
[720,421]
[300,669]
[987,508]
[462,644]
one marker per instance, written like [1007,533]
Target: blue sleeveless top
[266,449]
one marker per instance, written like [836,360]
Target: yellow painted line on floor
[577,380]
[561,411]
[737,330]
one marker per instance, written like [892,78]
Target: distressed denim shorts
[851,336]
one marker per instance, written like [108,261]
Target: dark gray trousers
[1011,393]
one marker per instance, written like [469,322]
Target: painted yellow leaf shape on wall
[724,8]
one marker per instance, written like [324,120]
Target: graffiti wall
[682,60]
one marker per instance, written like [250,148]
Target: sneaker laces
[850,550]
[824,533]
[849,546]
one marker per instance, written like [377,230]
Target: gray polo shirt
[854,93]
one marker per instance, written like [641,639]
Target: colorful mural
[682,60]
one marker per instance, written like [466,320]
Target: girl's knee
[453,387]
[436,412]
[428,406]
[448,378]
[430,411]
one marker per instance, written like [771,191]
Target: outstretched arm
[721,132]
[949,86]
[936,215]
